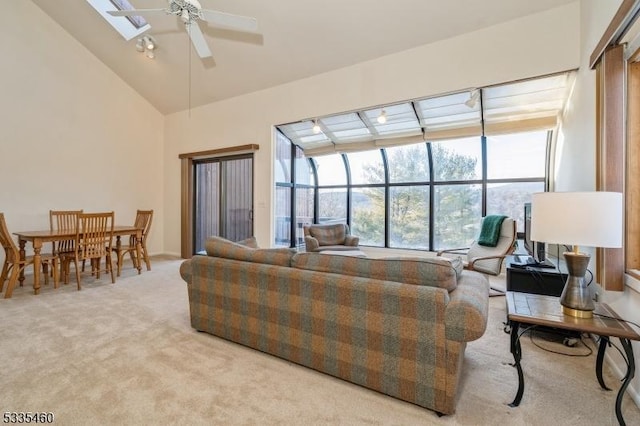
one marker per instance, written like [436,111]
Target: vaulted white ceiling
[296,39]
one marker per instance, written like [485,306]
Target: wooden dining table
[38,238]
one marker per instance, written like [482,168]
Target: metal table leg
[602,347]
[631,371]
[516,351]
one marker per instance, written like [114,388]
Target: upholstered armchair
[329,237]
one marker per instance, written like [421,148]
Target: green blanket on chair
[490,232]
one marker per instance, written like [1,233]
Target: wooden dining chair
[13,265]
[63,220]
[143,221]
[94,233]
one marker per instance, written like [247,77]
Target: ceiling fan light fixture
[316,127]
[185,16]
[190,12]
[382,118]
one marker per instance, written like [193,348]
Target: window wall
[295,193]
[425,196]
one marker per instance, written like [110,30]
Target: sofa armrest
[185,271]
[351,240]
[467,312]
[311,243]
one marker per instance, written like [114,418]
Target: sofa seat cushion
[432,272]
[221,247]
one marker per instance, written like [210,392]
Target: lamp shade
[591,219]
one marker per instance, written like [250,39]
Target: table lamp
[578,219]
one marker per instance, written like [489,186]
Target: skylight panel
[460,120]
[137,21]
[449,112]
[528,105]
[302,135]
[527,100]
[347,127]
[447,105]
[401,120]
[128,28]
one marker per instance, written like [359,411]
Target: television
[535,249]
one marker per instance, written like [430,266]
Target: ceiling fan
[190,11]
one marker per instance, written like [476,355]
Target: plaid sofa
[398,326]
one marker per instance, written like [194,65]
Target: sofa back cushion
[250,242]
[328,235]
[433,272]
[221,247]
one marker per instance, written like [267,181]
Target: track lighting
[382,118]
[474,95]
[140,45]
[146,44]
[150,45]
[316,127]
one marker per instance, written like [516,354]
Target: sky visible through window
[137,21]
[517,155]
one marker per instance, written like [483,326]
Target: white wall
[60,106]
[576,154]
[534,45]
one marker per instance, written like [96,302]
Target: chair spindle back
[64,220]
[10,248]
[95,232]
[143,220]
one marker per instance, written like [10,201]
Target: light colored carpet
[125,354]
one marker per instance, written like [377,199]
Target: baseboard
[178,255]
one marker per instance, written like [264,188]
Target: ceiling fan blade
[197,38]
[230,21]
[137,12]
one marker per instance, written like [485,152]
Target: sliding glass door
[223,199]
